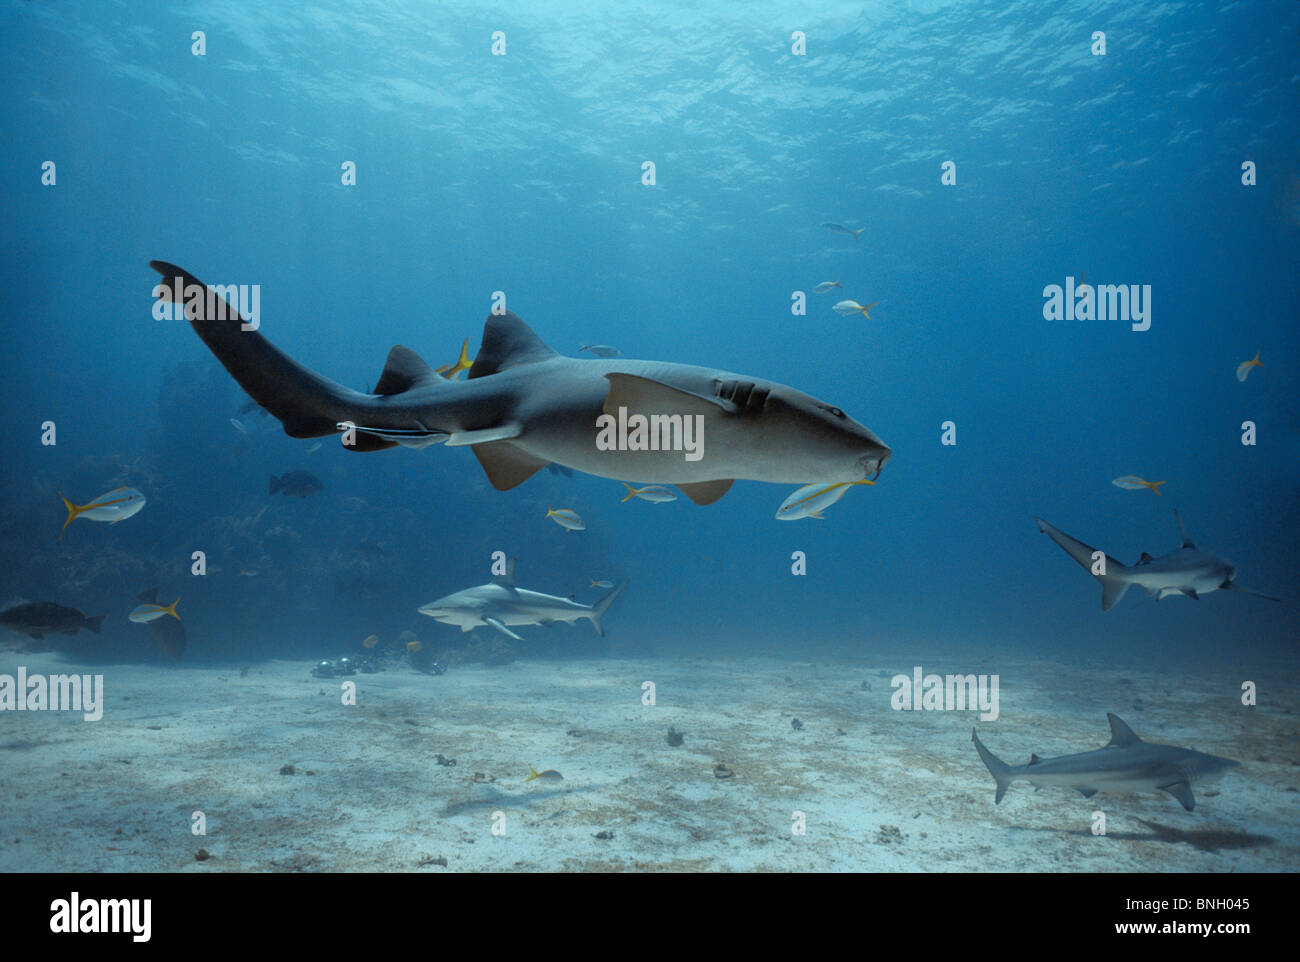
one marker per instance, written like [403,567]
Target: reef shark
[524,406]
[501,602]
[1126,764]
[1187,570]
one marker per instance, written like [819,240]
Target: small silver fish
[825,287]
[566,518]
[654,493]
[841,229]
[601,350]
[601,584]
[239,426]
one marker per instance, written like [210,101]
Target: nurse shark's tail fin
[307,404]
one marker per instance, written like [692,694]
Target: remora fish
[41,618]
[503,603]
[1186,570]
[524,406]
[1126,764]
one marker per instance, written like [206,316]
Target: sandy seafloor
[882,790]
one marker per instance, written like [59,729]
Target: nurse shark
[524,407]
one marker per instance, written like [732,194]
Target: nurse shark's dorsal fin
[1187,542]
[1145,559]
[508,342]
[403,371]
[506,580]
[1120,734]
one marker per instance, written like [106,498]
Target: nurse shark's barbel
[524,406]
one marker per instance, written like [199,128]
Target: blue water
[522,173]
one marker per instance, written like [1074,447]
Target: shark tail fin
[999,769]
[306,404]
[1113,582]
[599,609]
[1112,587]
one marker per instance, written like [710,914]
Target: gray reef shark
[523,407]
[502,602]
[1185,571]
[1126,764]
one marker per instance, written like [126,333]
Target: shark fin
[1191,593]
[1145,559]
[501,628]
[1182,530]
[1247,591]
[1112,589]
[1120,733]
[1181,791]
[507,579]
[403,371]
[706,492]
[1086,792]
[1113,584]
[508,342]
[999,769]
[599,608]
[506,465]
[306,404]
[644,395]
[502,432]
[94,624]
[1034,759]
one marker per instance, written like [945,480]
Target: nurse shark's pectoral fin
[507,465]
[1181,791]
[501,628]
[706,492]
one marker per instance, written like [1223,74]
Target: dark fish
[297,484]
[40,618]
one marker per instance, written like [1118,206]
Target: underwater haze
[666,180]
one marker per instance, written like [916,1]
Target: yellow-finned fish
[825,287]
[550,773]
[1243,369]
[654,493]
[601,584]
[146,613]
[847,307]
[370,641]
[449,371]
[1131,482]
[414,646]
[566,518]
[812,499]
[113,506]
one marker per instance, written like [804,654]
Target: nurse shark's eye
[836,412]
